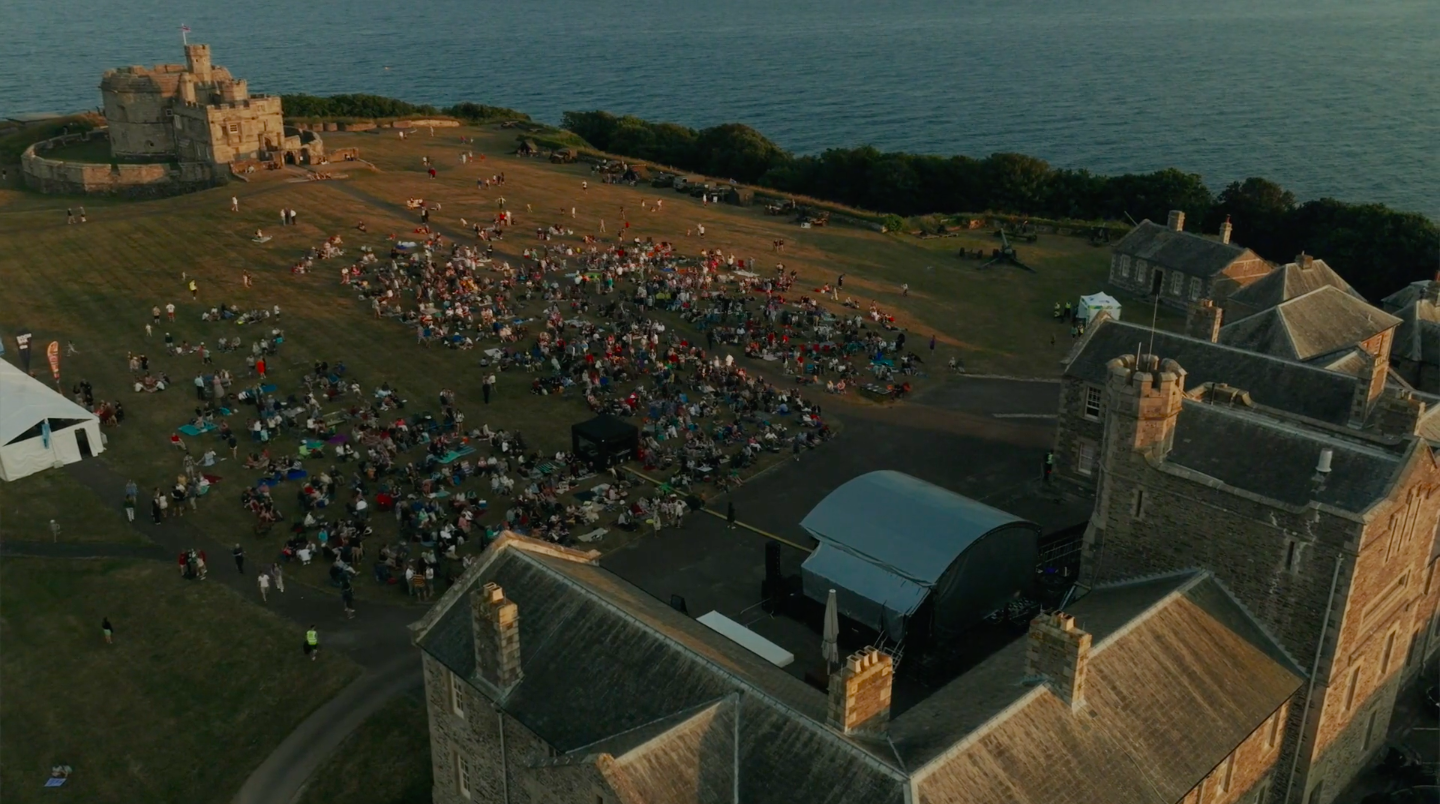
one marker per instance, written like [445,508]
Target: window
[462,774]
[1138,509]
[1429,577]
[1122,267]
[1264,793]
[233,128]
[1273,734]
[1085,462]
[1093,397]
[1369,730]
[1290,555]
[1414,646]
[1195,286]
[1177,283]
[1227,775]
[1387,653]
[457,701]
[169,112]
[1316,792]
[1351,687]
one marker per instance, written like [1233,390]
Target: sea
[1337,98]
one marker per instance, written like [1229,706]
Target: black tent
[604,441]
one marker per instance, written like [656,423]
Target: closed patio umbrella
[829,642]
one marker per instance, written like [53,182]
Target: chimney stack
[1203,321]
[496,623]
[1304,260]
[1225,229]
[1176,223]
[1060,653]
[860,692]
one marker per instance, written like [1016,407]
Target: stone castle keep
[174,128]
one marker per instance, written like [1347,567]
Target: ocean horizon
[1326,98]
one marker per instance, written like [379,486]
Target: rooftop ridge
[1331,438]
[749,687]
[1259,626]
[1145,330]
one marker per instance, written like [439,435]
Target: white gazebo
[39,428]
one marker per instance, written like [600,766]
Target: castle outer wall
[54,176]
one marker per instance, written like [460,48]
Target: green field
[195,691]
[209,686]
[386,760]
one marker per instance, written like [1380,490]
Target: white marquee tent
[26,404]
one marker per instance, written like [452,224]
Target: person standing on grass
[170,311]
[239,554]
[279,576]
[245,278]
[108,630]
[234,204]
[347,595]
[730,515]
[312,643]
[194,291]
[163,502]
[264,581]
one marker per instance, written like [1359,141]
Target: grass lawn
[96,151]
[386,760]
[196,690]
[124,727]
[28,505]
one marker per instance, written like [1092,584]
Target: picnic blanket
[192,430]
[268,388]
[594,535]
[296,474]
[456,454]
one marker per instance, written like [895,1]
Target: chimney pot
[1176,222]
[1323,465]
[1225,229]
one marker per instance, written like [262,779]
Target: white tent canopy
[1090,306]
[26,406]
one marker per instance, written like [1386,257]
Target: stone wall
[1249,775]
[525,771]
[54,176]
[1075,432]
[1280,562]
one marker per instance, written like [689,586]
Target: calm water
[1328,97]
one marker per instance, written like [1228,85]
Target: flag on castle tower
[184,29]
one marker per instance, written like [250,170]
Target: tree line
[372,107]
[1376,248]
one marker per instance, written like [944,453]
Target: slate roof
[1287,282]
[1418,336]
[1181,251]
[1254,452]
[1286,385]
[1415,290]
[1320,323]
[1179,675]
[601,658]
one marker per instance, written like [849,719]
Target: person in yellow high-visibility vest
[312,643]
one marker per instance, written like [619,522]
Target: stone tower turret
[1144,399]
[197,61]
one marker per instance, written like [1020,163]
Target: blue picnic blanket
[192,430]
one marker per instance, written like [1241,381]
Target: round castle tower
[1145,397]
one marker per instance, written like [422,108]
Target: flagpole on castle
[184,34]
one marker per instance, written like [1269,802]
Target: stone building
[1180,267]
[173,128]
[550,680]
[1284,283]
[1325,531]
[195,112]
[1415,354]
